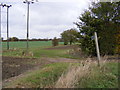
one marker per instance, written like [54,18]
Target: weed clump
[27,53]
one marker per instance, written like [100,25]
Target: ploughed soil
[12,66]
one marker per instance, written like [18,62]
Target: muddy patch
[12,66]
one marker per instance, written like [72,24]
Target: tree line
[17,39]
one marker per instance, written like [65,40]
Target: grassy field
[32,44]
[37,49]
[38,52]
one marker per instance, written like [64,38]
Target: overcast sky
[47,19]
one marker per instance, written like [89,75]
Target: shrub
[55,41]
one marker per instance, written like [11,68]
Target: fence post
[97,48]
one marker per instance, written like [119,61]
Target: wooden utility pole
[27,24]
[7,30]
[8,6]
[0,33]
[97,48]
[28,3]
[0,22]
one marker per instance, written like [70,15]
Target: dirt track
[12,66]
[61,60]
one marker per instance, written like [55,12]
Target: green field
[32,44]
[37,48]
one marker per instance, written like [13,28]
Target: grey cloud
[47,19]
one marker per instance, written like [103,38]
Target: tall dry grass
[75,73]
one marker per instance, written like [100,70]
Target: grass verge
[66,75]
[90,76]
[45,77]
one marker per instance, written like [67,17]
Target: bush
[55,41]
[13,39]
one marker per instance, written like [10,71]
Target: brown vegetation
[75,73]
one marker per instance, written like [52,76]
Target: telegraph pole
[28,24]
[8,26]
[0,23]
[0,52]
[97,48]
[8,6]
[0,34]
[28,5]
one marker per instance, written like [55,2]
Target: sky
[48,18]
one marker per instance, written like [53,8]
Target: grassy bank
[45,77]
[104,77]
[64,75]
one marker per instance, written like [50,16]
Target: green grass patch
[50,53]
[37,53]
[32,44]
[37,48]
[45,77]
[104,77]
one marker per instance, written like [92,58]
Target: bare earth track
[12,66]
